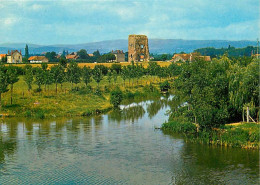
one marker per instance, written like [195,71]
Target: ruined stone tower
[138,49]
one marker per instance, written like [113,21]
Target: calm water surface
[121,147]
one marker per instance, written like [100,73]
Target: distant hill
[156,46]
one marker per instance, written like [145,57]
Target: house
[38,59]
[119,54]
[189,57]
[91,55]
[2,56]
[72,56]
[14,57]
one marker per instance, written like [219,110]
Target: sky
[82,21]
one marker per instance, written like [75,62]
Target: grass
[245,135]
[80,102]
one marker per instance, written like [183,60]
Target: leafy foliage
[116,97]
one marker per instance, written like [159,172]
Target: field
[92,65]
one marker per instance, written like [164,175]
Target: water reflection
[120,147]
[131,113]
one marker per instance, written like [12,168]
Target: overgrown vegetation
[244,135]
[65,89]
[211,94]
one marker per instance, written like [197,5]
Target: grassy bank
[244,135]
[67,102]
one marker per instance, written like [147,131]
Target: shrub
[39,114]
[116,97]
[98,92]
[165,86]
[180,127]
[116,67]
[106,89]
[28,114]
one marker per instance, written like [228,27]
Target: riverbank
[244,135]
[67,102]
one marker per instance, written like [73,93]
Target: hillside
[158,46]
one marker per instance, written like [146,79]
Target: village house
[119,54]
[14,57]
[189,57]
[72,56]
[91,55]
[38,59]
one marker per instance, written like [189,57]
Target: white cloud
[37,7]
[9,21]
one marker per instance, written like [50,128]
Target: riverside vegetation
[65,89]
[209,95]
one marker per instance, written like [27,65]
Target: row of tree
[72,73]
[230,51]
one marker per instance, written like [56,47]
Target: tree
[73,73]
[165,86]
[204,86]
[97,75]
[153,68]
[86,75]
[3,83]
[96,54]
[48,79]
[28,78]
[58,74]
[116,67]
[63,62]
[51,56]
[44,66]
[124,74]
[26,52]
[116,97]
[174,70]
[12,78]
[63,54]
[39,78]
[83,54]
[109,76]
[114,76]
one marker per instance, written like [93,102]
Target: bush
[39,114]
[116,97]
[116,67]
[179,127]
[106,89]
[165,86]
[28,114]
[98,92]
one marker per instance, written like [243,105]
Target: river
[120,147]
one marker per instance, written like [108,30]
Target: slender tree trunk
[56,88]
[12,86]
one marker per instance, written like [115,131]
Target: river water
[120,147]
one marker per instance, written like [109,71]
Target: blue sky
[74,21]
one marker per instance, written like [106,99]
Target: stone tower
[138,49]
